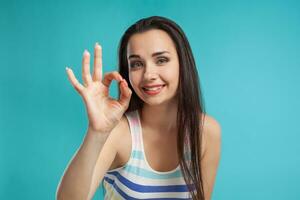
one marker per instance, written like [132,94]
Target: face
[153,60]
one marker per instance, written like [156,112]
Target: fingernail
[67,68]
[85,52]
[97,44]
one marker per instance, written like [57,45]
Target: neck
[160,118]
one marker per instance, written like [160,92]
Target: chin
[157,102]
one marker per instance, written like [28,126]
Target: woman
[155,141]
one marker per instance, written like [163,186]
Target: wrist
[98,135]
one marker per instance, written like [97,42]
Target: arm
[76,181]
[212,153]
[104,113]
[109,151]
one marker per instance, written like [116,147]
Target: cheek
[172,75]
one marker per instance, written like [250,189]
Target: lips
[154,89]
[152,86]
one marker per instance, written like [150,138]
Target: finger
[86,76]
[79,88]
[97,74]
[111,76]
[125,94]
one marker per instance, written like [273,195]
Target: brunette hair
[191,112]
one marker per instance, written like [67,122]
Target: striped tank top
[136,179]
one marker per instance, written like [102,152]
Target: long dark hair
[190,116]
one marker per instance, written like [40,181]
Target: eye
[135,64]
[162,60]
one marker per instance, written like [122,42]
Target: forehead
[150,41]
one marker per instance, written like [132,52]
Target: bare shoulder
[119,129]
[212,153]
[123,124]
[211,132]
[211,126]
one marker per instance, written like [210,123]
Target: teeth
[153,89]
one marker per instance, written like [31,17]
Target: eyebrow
[153,55]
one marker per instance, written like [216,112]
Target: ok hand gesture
[103,112]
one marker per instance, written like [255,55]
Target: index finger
[109,77]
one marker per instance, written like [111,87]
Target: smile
[153,90]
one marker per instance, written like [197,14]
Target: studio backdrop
[248,60]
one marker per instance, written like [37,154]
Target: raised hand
[103,112]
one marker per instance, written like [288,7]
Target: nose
[150,73]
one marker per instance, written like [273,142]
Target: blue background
[248,57]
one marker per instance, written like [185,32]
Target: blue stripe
[123,194]
[149,188]
[126,196]
[137,154]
